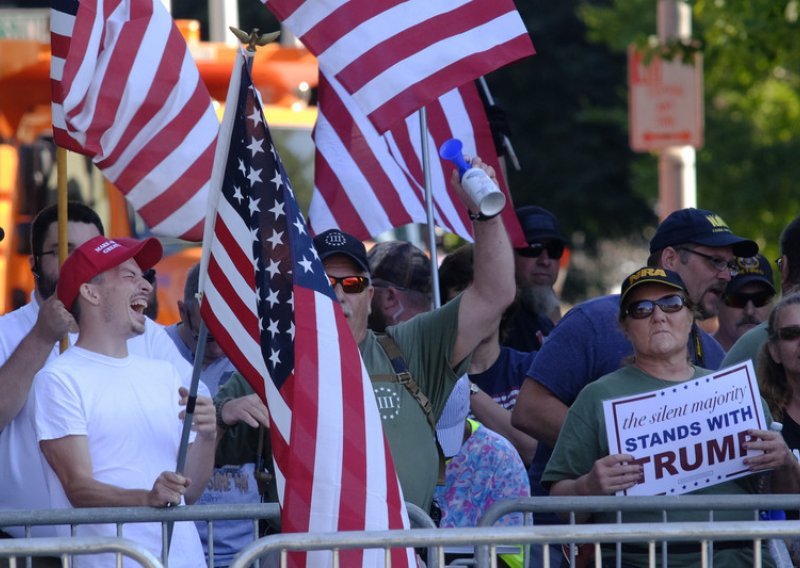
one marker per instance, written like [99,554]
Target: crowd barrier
[485,538]
[120,516]
[67,546]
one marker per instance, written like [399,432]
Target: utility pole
[677,175]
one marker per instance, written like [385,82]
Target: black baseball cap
[751,269]
[334,241]
[649,275]
[538,224]
[701,227]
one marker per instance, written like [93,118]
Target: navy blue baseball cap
[700,227]
[751,269]
[334,241]
[538,224]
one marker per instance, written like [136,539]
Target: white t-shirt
[128,410]
[22,481]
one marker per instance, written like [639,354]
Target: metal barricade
[120,516]
[665,504]
[67,546]
[497,536]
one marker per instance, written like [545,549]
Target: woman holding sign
[657,317]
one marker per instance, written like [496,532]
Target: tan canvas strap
[403,375]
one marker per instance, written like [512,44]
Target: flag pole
[61,181]
[506,142]
[426,171]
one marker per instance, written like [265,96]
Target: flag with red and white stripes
[366,183]
[269,305]
[395,56]
[127,93]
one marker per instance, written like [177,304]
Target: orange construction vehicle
[284,76]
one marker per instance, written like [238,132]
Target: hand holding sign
[611,474]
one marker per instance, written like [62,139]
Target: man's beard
[377,321]
[46,286]
[539,299]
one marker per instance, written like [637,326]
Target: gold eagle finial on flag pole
[254,38]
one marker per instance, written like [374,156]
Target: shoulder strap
[403,375]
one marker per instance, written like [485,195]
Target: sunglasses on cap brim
[555,250]
[350,284]
[644,308]
[759,299]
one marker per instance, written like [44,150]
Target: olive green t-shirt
[426,342]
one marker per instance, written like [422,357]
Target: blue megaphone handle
[451,150]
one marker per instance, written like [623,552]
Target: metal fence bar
[60,546]
[509,536]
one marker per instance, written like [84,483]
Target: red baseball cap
[100,254]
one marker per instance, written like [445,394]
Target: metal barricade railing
[624,504]
[121,516]
[491,537]
[66,546]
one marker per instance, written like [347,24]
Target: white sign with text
[690,435]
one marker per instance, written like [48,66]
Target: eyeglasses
[54,252]
[759,299]
[779,263]
[150,275]
[555,250]
[717,262]
[350,284]
[195,331]
[645,308]
[789,333]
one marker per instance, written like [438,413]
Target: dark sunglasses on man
[555,250]
[350,284]
[759,299]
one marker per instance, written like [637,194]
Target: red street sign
[665,102]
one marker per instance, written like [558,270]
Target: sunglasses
[350,284]
[555,250]
[759,299]
[645,308]
[789,333]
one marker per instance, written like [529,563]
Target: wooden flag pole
[63,238]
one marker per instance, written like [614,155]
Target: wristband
[218,404]
[481,216]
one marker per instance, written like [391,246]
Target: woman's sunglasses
[350,284]
[645,308]
[555,250]
[789,333]
[759,299]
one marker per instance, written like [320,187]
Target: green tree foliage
[748,169]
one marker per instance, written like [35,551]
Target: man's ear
[89,292]
[182,310]
[670,258]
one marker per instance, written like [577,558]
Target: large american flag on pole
[269,304]
[127,93]
[395,56]
[366,183]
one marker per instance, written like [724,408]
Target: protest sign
[690,435]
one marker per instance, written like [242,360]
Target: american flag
[366,183]
[127,93]
[268,302]
[395,56]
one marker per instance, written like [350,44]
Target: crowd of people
[494,395]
